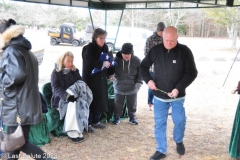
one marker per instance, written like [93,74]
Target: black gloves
[71,99]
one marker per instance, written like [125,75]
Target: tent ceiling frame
[113,5]
[117,5]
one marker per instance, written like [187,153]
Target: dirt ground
[210,110]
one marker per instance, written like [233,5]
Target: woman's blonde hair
[61,59]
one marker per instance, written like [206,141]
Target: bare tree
[229,17]
[176,15]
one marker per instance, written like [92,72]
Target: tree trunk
[235,35]
[230,31]
[189,29]
[202,28]
[218,31]
[208,31]
[192,30]
[132,18]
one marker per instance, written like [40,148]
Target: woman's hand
[107,64]
[111,78]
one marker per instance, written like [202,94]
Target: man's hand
[152,85]
[174,93]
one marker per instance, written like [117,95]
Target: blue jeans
[160,118]
[150,94]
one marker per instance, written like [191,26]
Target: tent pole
[231,66]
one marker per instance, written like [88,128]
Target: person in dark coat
[151,41]
[127,82]
[63,76]
[175,70]
[19,86]
[96,82]
[234,146]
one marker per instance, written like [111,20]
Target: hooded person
[19,86]
[127,82]
[153,40]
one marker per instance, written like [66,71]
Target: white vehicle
[136,36]
[88,33]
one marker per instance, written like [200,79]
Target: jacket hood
[14,35]
[132,60]
[119,54]
[155,34]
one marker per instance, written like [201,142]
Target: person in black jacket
[19,86]
[175,70]
[98,81]
[63,76]
[154,39]
[127,82]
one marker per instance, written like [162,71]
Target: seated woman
[64,76]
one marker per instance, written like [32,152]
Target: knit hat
[160,26]
[127,48]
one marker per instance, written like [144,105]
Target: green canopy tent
[234,148]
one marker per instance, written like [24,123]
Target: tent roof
[141,4]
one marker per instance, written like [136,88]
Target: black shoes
[90,129]
[116,120]
[99,126]
[157,155]
[77,140]
[133,121]
[180,148]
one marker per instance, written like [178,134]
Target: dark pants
[94,118]
[150,94]
[131,104]
[28,148]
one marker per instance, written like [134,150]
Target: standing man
[153,40]
[175,70]
[127,82]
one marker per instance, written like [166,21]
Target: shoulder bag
[14,141]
